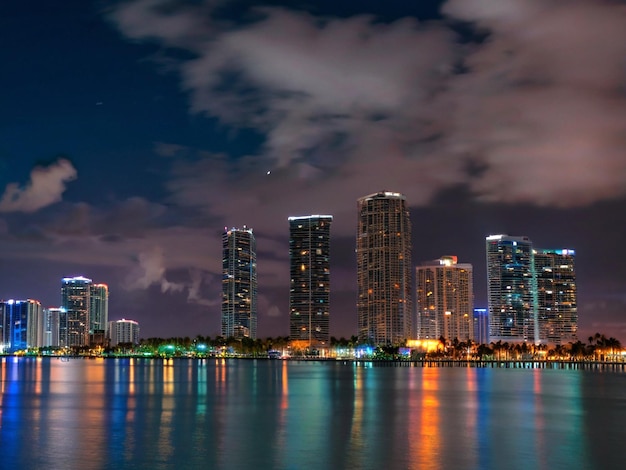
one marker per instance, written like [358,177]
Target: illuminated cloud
[542,108]
[534,113]
[46,186]
[151,271]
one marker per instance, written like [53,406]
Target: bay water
[274,414]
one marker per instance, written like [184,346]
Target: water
[223,414]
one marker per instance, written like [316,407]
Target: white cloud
[542,107]
[151,271]
[46,186]
[351,106]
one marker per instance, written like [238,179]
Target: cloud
[46,186]
[542,107]
[151,271]
[195,294]
[534,113]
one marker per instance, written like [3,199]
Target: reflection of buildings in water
[356,430]
[424,422]
[280,436]
[201,386]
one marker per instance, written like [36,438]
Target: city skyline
[132,132]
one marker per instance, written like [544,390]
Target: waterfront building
[123,332]
[98,309]
[384,281]
[481,326]
[511,289]
[51,329]
[532,292]
[75,299]
[20,320]
[239,284]
[309,293]
[556,295]
[445,299]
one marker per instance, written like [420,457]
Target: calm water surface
[223,414]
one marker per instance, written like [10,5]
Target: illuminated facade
[556,295]
[75,299]
[383,251]
[123,332]
[98,308]
[481,326]
[309,294]
[50,333]
[20,320]
[444,300]
[511,289]
[239,284]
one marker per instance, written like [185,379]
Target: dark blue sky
[132,132]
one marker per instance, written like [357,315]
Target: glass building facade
[75,300]
[511,289]
[556,295]
[20,320]
[98,308]
[384,271]
[239,284]
[309,293]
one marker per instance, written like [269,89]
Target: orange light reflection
[425,440]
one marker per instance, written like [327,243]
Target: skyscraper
[98,308]
[481,326]
[20,320]
[557,297]
[75,299]
[239,284]
[309,294]
[383,251]
[445,298]
[51,329]
[511,289]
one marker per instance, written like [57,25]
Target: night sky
[132,133]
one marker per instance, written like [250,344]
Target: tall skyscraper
[239,284]
[511,289]
[51,327]
[20,320]
[75,299]
[383,251]
[445,300]
[309,295]
[557,296]
[481,326]
[98,308]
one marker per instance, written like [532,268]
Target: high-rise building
[239,284]
[75,299]
[511,289]
[383,251]
[481,326]
[123,332]
[98,308]
[557,297]
[51,330]
[309,294]
[20,320]
[445,300]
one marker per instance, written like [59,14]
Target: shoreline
[423,363]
